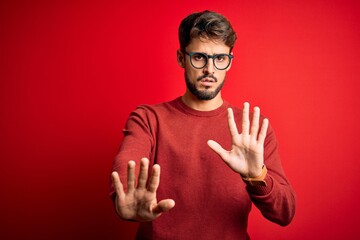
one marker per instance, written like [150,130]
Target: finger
[119,188]
[231,122]
[245,119]
[163,206]
[255,122]
[263,130]
[143,174]
[154,179]
[218,149]
[131,176]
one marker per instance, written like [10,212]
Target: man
[187,137]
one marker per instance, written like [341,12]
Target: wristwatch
[257,181]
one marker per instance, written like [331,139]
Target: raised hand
[246,156]
[139,202]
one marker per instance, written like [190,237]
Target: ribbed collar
[180,105]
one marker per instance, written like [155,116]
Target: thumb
[163,206]
[218,149]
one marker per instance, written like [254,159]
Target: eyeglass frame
[190,54]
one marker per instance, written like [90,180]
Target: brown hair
[206,24]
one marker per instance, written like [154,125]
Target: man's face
[207,82]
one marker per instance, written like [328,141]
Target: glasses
[199,60]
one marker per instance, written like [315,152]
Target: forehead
[206,45]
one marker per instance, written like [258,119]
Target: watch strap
[257,181]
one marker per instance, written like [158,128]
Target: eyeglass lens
[221,61]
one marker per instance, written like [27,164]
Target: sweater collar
[187,110]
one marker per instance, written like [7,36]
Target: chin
[206,95]
[203,93]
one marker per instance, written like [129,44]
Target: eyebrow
[209,54]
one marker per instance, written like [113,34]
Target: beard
[203,94]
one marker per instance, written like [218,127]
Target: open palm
[246,156]
[139,202]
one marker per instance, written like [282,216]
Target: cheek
[193,74]
[221,76]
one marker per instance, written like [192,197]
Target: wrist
[257,181]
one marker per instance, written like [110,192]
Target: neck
[202,105]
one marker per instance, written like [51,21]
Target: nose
[209,67]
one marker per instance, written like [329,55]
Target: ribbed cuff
[261,190]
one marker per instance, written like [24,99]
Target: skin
[246,156]
[209,47]
[139,202]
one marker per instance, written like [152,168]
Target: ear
[230,63]
[180,58]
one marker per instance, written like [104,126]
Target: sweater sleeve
[277,200]
[137,143]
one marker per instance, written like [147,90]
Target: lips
[207,78]
[207,82]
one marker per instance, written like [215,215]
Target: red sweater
[212,201]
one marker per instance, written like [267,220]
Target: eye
[198,57]
[220,58]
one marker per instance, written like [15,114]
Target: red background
[71,72]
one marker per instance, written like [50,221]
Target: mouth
[208,79]
[207,82]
